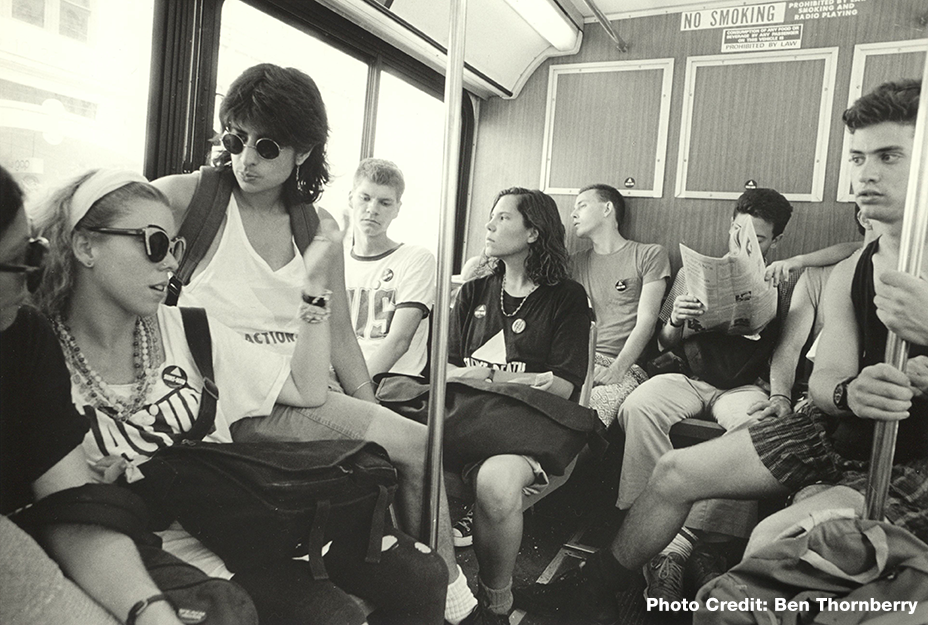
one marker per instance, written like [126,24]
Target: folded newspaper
[737,298]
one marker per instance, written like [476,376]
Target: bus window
[58,117]
[409,121]
[410,127]
[249,37]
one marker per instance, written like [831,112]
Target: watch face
[840,395]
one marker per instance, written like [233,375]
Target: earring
[88,264]
[302,185]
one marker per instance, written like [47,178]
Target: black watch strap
[840,394]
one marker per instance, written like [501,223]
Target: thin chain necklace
[93,385]
[502,308]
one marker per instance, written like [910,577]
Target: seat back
[587,388]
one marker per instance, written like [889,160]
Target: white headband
[101,183]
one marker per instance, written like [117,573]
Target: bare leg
[498,516]
[406,442]
[727,467]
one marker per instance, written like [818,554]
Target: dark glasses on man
[267,149]
[157,242]
[33,263]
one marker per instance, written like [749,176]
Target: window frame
[185,57]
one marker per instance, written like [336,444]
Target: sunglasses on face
[33,263]
[268,149]
[157,242]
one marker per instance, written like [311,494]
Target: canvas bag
[484,419]
[257,503]
[830,554]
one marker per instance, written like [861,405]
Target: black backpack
[205,213]
[257,503]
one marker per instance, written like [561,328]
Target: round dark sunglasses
[268,149]
[157,242]
[33,263]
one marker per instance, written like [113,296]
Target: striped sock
[682,543]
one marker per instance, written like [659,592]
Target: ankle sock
[498,600]
[682,544]
[460,601]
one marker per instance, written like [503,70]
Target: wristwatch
[840,394]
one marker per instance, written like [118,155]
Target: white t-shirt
[378,286]
[249,379]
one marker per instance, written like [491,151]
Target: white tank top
[241,290]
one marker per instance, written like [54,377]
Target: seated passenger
[391,286]
[41,454]
[525,323]
[274,134]
[626,281]
[134,379]
[648,413]
[829,441]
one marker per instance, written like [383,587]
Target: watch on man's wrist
[840,394]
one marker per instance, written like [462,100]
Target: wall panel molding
[607,122]
[715,160]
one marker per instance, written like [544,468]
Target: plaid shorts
[798,451]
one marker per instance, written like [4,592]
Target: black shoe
[705,564]
[482,616]
[571,594]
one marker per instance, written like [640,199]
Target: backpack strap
[304,222]
[204,215]
[196,329]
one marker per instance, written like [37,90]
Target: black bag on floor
[257,503]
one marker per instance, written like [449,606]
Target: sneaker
[571,594]
[705,564]
[664,577]
[482,616]
[462,531]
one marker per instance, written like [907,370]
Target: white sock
[682,544]
[499,600]
[460,601]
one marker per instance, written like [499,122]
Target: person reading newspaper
[758,221]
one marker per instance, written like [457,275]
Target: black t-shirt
[549,333]
[38,423]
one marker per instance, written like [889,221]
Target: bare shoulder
[179,189]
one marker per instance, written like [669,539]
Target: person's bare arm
[403,328]
[779,270]
[545,381]
[348,359]
[103,562]
[179,190]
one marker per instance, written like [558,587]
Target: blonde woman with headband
[113,248]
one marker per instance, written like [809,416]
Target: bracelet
[786,397]
[142,605]
[674,325]
[310,313]
[322,301]
[360,386]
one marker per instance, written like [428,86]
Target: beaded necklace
[92,384]
[502,308]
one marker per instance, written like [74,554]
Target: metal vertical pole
[911,252]
[454,82]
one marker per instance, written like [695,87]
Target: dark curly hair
[11,199]
[283,104]
[895,101]
[547,260]
[766,204]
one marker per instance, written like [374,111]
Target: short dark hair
[284,104]
[765,204]
[895,101]
[606,193]
[11,199]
